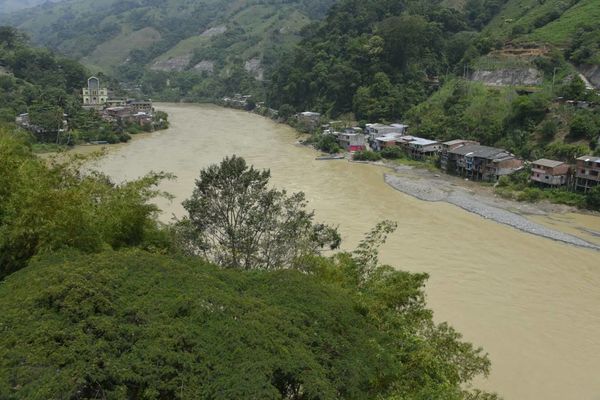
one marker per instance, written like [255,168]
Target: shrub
[530,194]
[584,126]
[549,129]
[366,155]
[328,144]
[592,198]
[392,152]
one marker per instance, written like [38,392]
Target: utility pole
[553,78]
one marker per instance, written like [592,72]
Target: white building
[94,96]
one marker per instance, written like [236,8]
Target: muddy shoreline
[427,186]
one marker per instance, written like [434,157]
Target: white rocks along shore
[429,187]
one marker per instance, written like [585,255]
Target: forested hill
[9,6]
[128,36]
[36,80]
[489,70]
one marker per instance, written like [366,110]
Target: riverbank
[530,302]
[428,186]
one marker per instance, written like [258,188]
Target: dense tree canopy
[375,58]
[134,325]
[237,221]
[46,206]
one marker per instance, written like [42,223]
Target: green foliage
[286,111]
[379,101]
[328,144]
[392,152]
[585,125]
[37,82]
[592,199]
[461,109]
[48,117]
[564,151]
[375,59]
[366,155]
[585,46]
[235,220]
[218,333]
[49,206]
[344,327]
[519,187]
[573,90]
[549,129]
[528,110]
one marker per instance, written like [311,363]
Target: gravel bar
[429,191]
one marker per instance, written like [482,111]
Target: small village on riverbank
[104,118]
[575,182]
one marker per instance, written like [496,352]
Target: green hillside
[553,21]
[9,6]
[108,34]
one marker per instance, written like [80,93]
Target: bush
[592,198]
[549,129]
[48,206]
[392,152]
[328,144]
[366,155]
[584,125]
[530,194]
[564,151]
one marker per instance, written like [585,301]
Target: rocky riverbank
[427,186]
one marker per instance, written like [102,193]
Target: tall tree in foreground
[237,221]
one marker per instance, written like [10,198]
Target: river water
[532,303]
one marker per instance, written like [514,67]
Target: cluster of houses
[120,110]
[468,158]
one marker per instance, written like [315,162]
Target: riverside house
[447,163]
[587,173]
[351,141]
[482,162]
[387,140]
[419,148]
[377,130]
[309,120]
[550,172]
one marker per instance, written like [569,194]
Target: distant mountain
[10,6]
[176,35]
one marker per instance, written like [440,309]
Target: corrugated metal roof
[548,163]
[481,151]
[422,141]
[589,158]
[459,141]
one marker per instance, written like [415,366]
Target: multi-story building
[448,163]
[483,162]
[351,141]
[550,172]
[587,173]
[377,130]
[419,148]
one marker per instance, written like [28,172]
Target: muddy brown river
[532,303]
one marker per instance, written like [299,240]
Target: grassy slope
[115,51]
[559,32]
[256,19]
[586,12]
[9,6]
